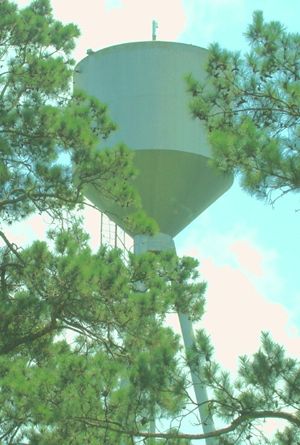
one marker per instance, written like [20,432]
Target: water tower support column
[163,242]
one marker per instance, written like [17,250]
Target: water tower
[143,85]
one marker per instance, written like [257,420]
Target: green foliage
[289,436]
[85,354]
[43,126]
[251,107]
[121,359]
[267,386]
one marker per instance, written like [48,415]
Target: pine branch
[243,418]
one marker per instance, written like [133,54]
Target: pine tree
[251,107]
[118,359]
[85,354]
[49,137]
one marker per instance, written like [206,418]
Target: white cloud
[104,23]
[23,233]
[243,285]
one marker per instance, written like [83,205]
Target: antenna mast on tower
[154,28]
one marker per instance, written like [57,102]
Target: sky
[248,251]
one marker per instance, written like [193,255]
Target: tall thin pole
[116,236]
[159,243]
[101,228]
[200,390]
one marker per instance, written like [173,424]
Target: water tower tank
[143,85]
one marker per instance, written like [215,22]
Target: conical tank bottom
[175,187]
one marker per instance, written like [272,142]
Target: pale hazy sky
[249,252]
